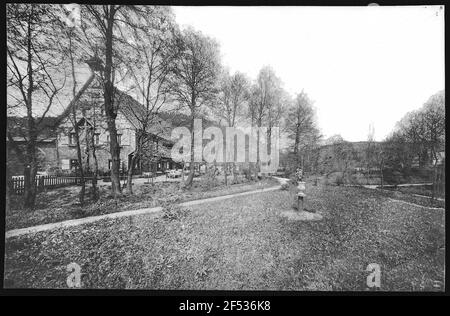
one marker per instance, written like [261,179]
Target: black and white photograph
[224,148]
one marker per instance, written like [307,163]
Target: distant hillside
[327,153]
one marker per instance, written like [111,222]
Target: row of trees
[418,139]
[421,133]
[416,143]
[414,148]
[138,47]
[141,49]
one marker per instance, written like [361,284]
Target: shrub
[247,173]
[293,180]
[210,180]
[285,186]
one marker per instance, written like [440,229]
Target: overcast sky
[360,65]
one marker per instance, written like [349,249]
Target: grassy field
[62,204]
[244,244]
[425,190]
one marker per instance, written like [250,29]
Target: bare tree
[433,113]
[300,125]
[379,156]
[370,150]
[412,128]
[101,25]
[344,153]
[147,37]
[265,96]
[233,94]
[193,77]
[423,132]
[72,48]
[34,77]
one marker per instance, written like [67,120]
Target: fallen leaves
[244,243]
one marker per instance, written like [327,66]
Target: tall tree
[35,77]
[370,151]
[265,96]
[72,51]
[344,153]
[147,36]
[101,26]
[193,77]
[233,95]
[433,113]
[301,129]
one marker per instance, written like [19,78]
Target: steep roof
[129,107]
[134,111]
[160,126]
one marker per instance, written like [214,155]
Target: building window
[73,163]
[119,139]
[72,139]
[65,164]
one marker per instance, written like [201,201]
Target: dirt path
[92,219]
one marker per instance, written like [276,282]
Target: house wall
[90,106]
[67,151]
[47,157]
[59,153]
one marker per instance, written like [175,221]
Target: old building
[57,142]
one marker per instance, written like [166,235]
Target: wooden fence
[17,185]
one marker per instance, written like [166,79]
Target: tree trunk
[296,144]
[30,167]
[109,106]
[30,163]
[233,172]
[190,177]
[94,191]
[130,173]
[75,125]
[433,193]
[225,172]
[30,186]
[182,173]
[79,156]
[258,162]
[8,191]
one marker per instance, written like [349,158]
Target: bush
[210,180]
[293,179]
[247,173]
[285,186]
